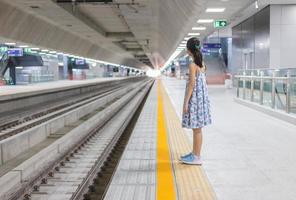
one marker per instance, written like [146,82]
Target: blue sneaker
[192,160]
[184,156]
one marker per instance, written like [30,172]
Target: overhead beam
[65,4]
[84,1]
[134,49]
[88,21]
[110,2]
[141,56]
[119,35]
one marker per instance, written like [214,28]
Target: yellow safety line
[191,181]
[165,180]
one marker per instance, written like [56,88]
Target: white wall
[283,36]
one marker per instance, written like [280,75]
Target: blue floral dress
[198,114]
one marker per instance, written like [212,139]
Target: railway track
[71,176]
[51,101]
[23,123]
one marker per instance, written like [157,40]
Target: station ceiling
[139,33]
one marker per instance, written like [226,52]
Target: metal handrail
[264,77]
[288,80]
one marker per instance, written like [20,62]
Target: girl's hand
[185,107]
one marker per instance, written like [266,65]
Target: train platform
[246,153]
[149,167]
[17,91]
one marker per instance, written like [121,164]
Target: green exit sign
[27,50]
[3,49]
[220,23]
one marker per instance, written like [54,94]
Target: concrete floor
[247,155]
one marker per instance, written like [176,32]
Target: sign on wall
[80,62]
[212,45]
[15,52]
[220,23]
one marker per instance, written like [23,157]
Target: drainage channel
[100,184]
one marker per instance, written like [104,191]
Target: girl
[196,108]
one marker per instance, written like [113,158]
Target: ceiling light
[35,48]
[205,21]
[199,28]
[193,34]
[182,45]
[187,38]
[184,42]
[256,4]
[215,10]
[44,50]
[23,46]
[52,52]
[10,43]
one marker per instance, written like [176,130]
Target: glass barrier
[266,96]
[256,93]
[274,88]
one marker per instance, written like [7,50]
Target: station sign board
[212,45]
[220,23]
[18,52]
[80,62]
[203,50]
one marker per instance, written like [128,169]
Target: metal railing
[275,88]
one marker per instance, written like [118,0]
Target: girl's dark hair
[193,45]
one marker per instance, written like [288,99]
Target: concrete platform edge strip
[191,181]
[5,97]
[271,112]
[44,95]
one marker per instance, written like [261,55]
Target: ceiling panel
[157,26]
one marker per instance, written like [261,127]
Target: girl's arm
[192,74]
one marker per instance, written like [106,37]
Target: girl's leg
[197,141]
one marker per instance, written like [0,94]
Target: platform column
[261,88]
[288,92]
[273,90]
